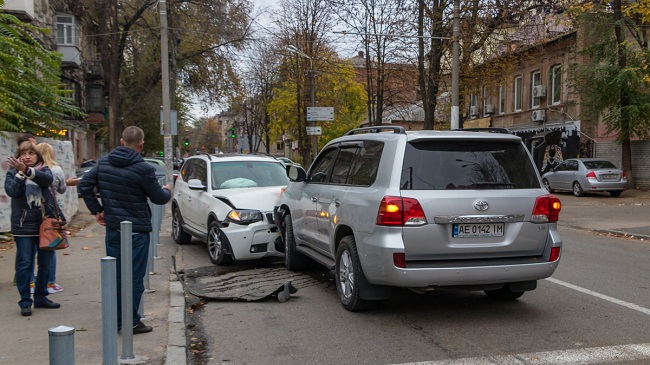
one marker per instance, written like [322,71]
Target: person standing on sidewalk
[125,181]
[59,185]
[27,183]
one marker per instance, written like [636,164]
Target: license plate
[467,230]
[610,176]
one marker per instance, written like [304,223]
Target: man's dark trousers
[140,254]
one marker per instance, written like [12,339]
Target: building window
[535,80]
[66,31]
[473,106]
[502,99]
[486,100]
[519,83]
[556,81]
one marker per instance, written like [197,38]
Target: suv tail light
[555,254]
[591,175]
[398,211]
[547,209]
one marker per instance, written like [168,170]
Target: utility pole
[455,68]
[164,61]
[311,75]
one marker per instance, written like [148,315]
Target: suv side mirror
[296,173]
[196,184]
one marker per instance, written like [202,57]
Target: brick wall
[640,151]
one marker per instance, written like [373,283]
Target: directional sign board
[314,131]
[315,114]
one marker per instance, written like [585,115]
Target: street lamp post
[310,74]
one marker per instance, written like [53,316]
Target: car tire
[503,294]
[547,185]
[348,274]
[615,193]
[218,245]
[577,189]
[178,234]
[294,260]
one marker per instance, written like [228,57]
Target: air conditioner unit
[473,111]
[539,91]
[489,109]
[539,115]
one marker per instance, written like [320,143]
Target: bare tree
[483,24]
[381,28]
[304,24]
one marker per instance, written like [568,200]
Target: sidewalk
[25,340]
[628,215]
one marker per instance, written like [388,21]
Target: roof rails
[486,129]
[378,129]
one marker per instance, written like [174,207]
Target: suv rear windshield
[445,165]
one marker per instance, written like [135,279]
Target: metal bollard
[61,345]
[109,310]
[126,251]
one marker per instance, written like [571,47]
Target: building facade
[81,70]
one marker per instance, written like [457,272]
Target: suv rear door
[478,197]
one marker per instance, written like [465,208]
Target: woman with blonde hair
[58,184]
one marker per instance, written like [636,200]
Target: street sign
[324,113]
[314,131]
[173,115]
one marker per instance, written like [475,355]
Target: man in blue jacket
[125,181]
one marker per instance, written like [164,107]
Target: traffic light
[232,132]
[187,142]
[161,154]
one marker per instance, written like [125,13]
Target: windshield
[247,174]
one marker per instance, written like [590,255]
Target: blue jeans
[26,249]
[140,252]
[51,279]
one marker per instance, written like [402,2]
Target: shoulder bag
[52,234]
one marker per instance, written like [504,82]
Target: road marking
[586,356]
[601,296]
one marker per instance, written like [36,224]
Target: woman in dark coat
[27,183]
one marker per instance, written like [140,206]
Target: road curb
[176,350]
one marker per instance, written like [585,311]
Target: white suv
[227,201]
[421,210]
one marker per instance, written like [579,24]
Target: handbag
[52,234]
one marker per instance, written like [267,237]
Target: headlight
[244,216]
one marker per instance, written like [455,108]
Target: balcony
[71,56]
[22,9]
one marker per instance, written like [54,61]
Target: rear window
[599,165]
[447,165]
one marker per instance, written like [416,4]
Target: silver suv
[422,210]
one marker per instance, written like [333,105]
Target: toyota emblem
[481,205]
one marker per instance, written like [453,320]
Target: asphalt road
[594,310]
